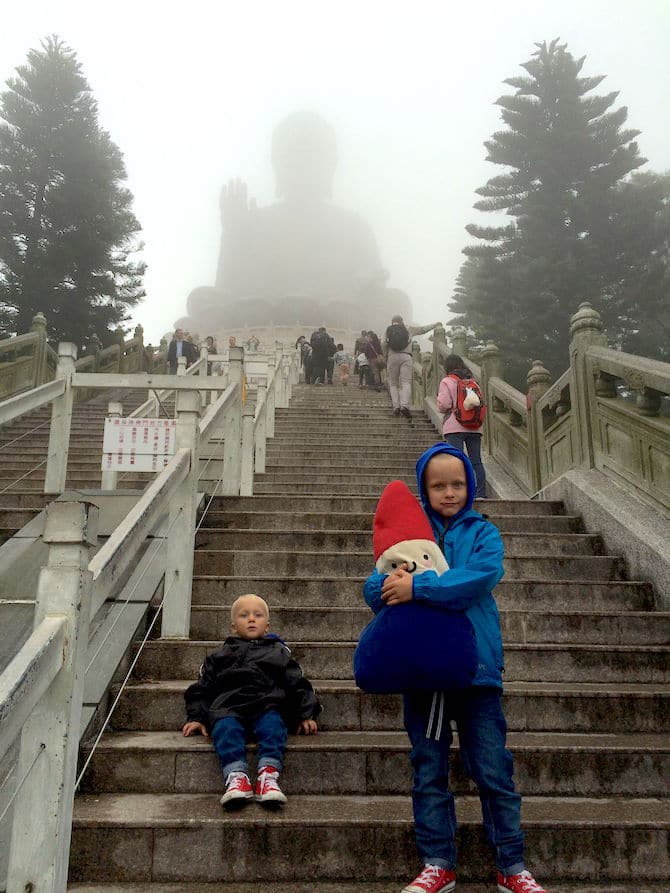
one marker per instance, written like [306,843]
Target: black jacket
[188,350]
[322,344]
[247,677]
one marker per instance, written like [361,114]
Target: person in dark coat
[323,350]
[250,686]
[180,347]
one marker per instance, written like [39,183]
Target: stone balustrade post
[247,470]
[260,447]
[286,381]
[538,380]
[181,366]
[232,455]
[440,349]
[271,403]
[110,478]
[459,341]
[182,523]
[585,330]
[491,366]
[39,325]
[42,826]
[61,422]
[418,387]
[204,356]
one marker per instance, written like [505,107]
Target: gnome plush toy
[415,645]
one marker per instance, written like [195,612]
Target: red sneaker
[238,790]
[524,882]
[267,789]
[432,879]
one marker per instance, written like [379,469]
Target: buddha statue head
[304,157]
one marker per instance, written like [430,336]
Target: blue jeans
[230,734]
[470,443]
[481,733]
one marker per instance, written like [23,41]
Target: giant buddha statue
[301,258]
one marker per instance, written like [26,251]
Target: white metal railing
[41,690]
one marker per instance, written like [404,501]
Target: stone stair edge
[203,810]
[340,887]
[582,742]
[576,647]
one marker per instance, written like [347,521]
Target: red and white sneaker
[432,879]
[238,790]
[524,882]
[268,791]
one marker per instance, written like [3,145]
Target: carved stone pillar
[585,330]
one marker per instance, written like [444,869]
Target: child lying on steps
[250,686]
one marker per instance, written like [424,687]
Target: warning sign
[138,444]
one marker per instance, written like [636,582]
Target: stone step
[173,837]
[15,518]
[350,564]
[366,441]
[559,707]
[357,504]
[336,465]
[573,596]
[343,624]
[336,473]
[377,763]
[34,485]
[341,887]
[83,478]
[25,499]
[351,541]
[359,521]
[179,659]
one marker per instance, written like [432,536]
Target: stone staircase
[23,454]
[586,696]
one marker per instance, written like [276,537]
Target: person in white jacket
[398,352]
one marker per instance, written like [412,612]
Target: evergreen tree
[568,152]
[67,230]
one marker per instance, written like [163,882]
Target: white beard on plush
[418,555]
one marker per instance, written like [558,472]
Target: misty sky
[191,98]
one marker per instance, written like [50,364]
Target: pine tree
[567,151]
[67,230]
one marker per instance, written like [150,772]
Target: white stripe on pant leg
[440,716]
[432,714]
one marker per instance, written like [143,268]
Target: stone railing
[27,361]
[587,418]
[220,441]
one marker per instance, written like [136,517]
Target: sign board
[138,444]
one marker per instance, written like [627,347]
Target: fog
[191,98]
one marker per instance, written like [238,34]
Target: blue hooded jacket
[474,551]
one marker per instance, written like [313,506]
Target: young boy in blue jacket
[474,551]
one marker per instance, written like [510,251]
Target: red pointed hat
[398,517]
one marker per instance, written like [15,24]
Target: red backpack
[467,390]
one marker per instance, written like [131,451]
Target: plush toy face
[418,555]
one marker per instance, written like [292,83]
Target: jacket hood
[436,519]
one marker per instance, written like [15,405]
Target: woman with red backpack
[462,402]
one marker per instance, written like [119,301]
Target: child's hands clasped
[194,728]
[397,587]
[307,727]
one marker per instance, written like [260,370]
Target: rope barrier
[39,465]
[157,549]
[139,652]
[21,436]
[39,753]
